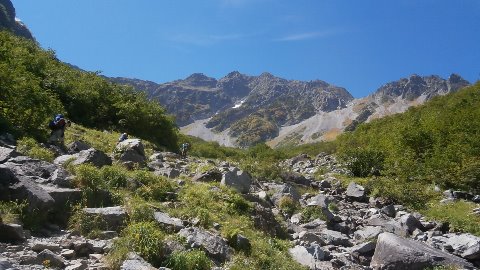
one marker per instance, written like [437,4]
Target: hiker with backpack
[184,148]
[57,125]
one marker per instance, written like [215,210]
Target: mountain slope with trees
[35,85]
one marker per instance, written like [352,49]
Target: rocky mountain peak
[235,84]
[416,86]
[455,78]
[200,80]
[8,20]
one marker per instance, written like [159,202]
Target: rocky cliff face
[9,22]
[416,86]
[241,110]
[250,108]
[391,98]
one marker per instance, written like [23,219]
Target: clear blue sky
[359,45]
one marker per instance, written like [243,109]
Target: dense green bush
[143,238]
[458,214]
[35,85]
[363,162]
[189,260]
[437,142]
[31,148]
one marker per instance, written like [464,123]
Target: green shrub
[287,205]
[138,210]
[12,212]
[189,260]
[35,86]
[311,213]
[268,254]
[262,169]
[363,162]
[333,207]
[88,225]
[143,238]
[210,203]
[114,176]
[412,194]
[158,191]
[458,214]
[30,147]
[89,176]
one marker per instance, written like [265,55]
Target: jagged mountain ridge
[254,107]
[240,110]
[391,98]
[8,20]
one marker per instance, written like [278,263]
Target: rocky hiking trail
[336,227]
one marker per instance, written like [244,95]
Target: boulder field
[351,230]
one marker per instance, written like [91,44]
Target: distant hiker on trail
[57,125]
[184,148]
[123,137]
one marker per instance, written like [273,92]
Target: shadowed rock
[215,246]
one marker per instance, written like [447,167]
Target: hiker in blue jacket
[57,125]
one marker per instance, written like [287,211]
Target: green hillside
[435,143]
[35,85]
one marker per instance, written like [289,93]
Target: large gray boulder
[167,222]
[355,192]
[5,264]
[92,156]
[130,150]
[237,179]
[114,217]
[37,197]
[37,170]
[215,246]
[396,253]
[465,245]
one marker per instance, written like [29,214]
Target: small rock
[113,216]
[135,262]
[355,192]
[41,246]
[168,222]
[389,210]
[54,259]
[11,233]
[243,243]
[95,257]
[68,254]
